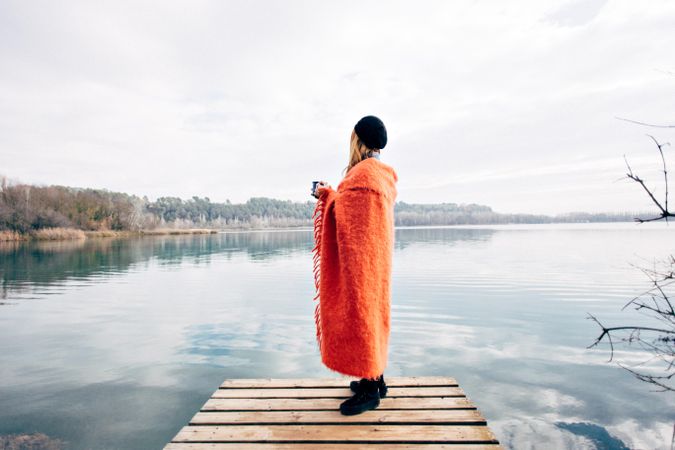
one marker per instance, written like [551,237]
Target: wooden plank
[332,382]
[327,446]
[358,433]
[306,404]
[374,416]
[341,392]
[429,413]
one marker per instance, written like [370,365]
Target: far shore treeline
[28,209]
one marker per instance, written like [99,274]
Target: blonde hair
[358,151]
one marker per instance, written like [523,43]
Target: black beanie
[372,132]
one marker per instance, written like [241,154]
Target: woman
[354,237]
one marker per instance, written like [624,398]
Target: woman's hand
[320,186]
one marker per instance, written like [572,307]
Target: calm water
[112,344]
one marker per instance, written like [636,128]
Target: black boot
[355,386]
[367,398]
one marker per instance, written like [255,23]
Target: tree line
[26,207]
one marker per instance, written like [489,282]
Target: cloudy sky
[508,104]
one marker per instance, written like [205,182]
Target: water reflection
[30,264]
[25,265]
[441,236]
[115,343]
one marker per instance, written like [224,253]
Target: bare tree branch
[645,124]
[665,213]
[654,303]
[663,160]
[658,341]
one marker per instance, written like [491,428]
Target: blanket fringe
[318,220]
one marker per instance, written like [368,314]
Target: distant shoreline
[66,234]
[50,213]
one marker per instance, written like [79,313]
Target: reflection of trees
[25,264]
[444,236]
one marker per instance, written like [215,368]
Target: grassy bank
[61,234]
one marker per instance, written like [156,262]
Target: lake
[116,343]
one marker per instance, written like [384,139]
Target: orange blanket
[354,244]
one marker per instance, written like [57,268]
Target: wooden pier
[417,413]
